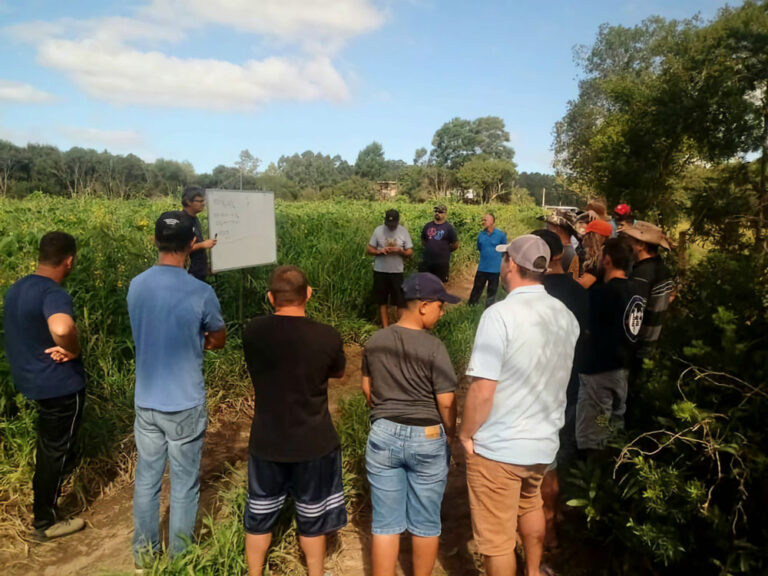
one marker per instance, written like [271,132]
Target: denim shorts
[407,469]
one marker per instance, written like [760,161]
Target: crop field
[326,239]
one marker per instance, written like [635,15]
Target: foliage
[371,163]
[665,95]
[458,140]
[490,178]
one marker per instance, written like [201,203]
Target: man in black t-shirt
[43,350]
[439,239]
[651,279]
[193,201]
[615,317]
[560,284]
[293,446]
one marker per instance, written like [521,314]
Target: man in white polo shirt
[515,406]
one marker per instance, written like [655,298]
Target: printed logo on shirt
[633,317]
[434,233]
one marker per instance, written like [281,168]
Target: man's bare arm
[477,408]
[216,340]
[446,405]
[366,386]
[64,333]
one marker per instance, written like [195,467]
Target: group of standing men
[548,354]
[391,242]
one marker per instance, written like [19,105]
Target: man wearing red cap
[622,216]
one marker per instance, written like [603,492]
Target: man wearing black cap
[173,318]
[193,201]
[439,239]
[389,243]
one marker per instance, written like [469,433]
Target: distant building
[387,189]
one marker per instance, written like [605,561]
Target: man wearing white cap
[520,365]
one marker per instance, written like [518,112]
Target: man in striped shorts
[294,449]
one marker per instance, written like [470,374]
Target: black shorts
[439,269]
[388,288]
[315,487]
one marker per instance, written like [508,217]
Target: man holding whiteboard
[193,201]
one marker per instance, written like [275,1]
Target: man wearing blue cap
[410,386]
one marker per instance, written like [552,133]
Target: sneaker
[59,529]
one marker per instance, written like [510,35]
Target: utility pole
[543,196]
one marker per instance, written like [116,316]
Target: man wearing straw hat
[652,281]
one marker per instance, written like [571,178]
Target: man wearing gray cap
[515,407]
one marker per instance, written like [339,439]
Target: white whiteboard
[243,223]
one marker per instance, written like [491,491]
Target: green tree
[247,164]
[371,163]
[491,178]
[458,140]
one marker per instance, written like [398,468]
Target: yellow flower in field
[119,283]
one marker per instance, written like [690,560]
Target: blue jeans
[161,436]
[407,468]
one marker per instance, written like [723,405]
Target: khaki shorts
[498,494]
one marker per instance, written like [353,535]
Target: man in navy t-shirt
[174,316]
[439,239]
[193,203]
[490,261]
[43,350]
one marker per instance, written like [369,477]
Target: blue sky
[200,80]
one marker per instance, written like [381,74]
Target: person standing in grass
[409,383]
[520,366]
[439,239]
[294,448]
[389,244]
[174,317]
[615,318]
[193,203]
[490,261]
[43,350]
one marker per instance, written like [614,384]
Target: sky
[201,80]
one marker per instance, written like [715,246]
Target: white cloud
[125,76]
[118,59]
[11,91]
[96,138]
[309,22]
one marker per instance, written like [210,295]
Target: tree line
[468,159]
[672,118]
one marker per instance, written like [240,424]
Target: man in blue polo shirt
[174,316]
[490,261]
[43,350]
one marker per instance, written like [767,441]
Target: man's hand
[394,250]
[207,244]
[468,444]
[60,355]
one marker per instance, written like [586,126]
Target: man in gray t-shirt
[389,244]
